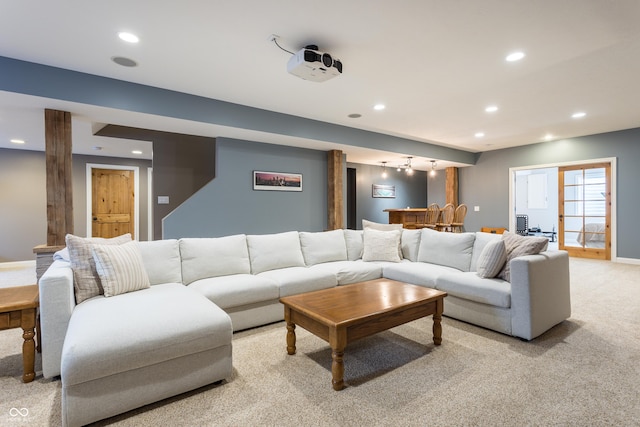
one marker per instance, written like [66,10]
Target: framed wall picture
[384,191]
[277,181]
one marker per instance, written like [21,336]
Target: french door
[584,210]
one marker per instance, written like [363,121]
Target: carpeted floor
[583,372]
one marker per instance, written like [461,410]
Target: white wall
[545,218]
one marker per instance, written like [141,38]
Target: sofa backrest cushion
[410,243]
[273,251]
[325,246]
[86,282]
[353,239]
[161,259]
[448,249]
[482,239]
[213,257]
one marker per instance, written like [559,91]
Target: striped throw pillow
[492,259]
[120,268]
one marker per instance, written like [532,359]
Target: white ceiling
[435,64]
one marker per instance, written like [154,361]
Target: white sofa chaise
[106,349]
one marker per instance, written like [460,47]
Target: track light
[433,168]
[409,170]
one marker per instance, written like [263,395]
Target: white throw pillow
[383,227]
[492,259]
[516,246]
[482,239]
[353,238]
[381,245]
[273,251]
[325,246]
[86,282]
[448,249]
[214,257]
[120,268]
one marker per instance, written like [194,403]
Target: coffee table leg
[291,338]
[437,325]
[28,322]
[337,369]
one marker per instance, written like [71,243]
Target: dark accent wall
[411,191]
[23,202]
[229,205]
[182,164]
[487,183]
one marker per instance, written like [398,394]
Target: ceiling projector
[310,64]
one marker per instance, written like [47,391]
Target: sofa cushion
[213,257]
[492,259]
[482,239]
[273,251]
[448,249]
[324,246]
[236,289]
[112,335]
[162,261]
[120,268]
[381,245]
[347,272]
[467,285]
[353,239]
[410,243]
[383,227]
[296,280]
[516,246]
[86,282]
[417,273]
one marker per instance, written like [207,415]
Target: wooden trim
[59,175]
[335,197]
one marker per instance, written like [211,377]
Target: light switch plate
[163,200]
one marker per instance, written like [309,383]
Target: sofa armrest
[57,301]
[540,293]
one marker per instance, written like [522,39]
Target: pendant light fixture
[433,168]
[384,169]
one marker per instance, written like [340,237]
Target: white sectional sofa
[120,352]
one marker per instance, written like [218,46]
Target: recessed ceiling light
[354,116]
[548,137]
[579,115]
[96,148]
[479,134]
[128,37]
[379,107]
[491,109]
[515,56]
[136,152]
[17,141]
[125,62]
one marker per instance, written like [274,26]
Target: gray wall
[23,200]
[229,205]
[436,188]
[487,183]
[411,191]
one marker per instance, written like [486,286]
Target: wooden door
[112,202]
[584,205]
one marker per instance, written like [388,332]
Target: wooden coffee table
[346,313]
[18,308]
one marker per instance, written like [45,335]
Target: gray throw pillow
[492,259]
[516,246]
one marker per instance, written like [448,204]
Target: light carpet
[583,372]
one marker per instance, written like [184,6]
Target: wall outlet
[476,208]
[163,200]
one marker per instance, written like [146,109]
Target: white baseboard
[628,260]
[18,264]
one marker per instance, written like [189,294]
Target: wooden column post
[452,185]
[334,190]
[57,140]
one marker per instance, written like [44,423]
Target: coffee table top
[349,303]
[18,298]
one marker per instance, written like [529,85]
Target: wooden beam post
[59,176]
[451,185]
[334,190]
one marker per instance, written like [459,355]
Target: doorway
[351,199]
[112,200]
[571,232]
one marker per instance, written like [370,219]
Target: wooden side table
[19,308]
